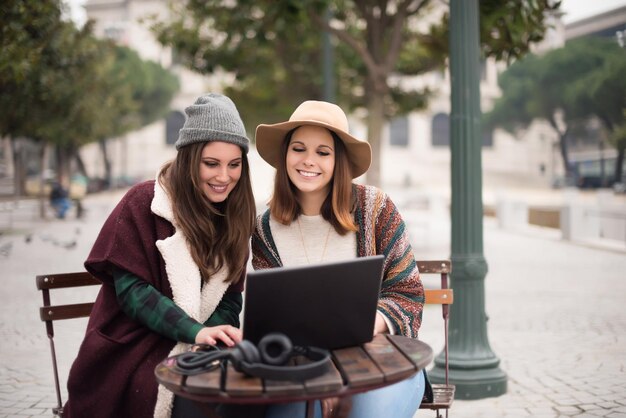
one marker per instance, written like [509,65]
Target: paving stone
[568,410]
[516,412]
[10,411]
[560,336]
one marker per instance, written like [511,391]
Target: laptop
[329,305]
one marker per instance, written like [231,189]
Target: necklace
[306,255]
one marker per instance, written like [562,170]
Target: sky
[580,9]
[574,9]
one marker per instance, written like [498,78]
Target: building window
[173,123]
[399,131]
[441,130]
[114,33]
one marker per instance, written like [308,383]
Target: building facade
[415,147]
[419,142]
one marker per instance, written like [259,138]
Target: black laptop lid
[328,305]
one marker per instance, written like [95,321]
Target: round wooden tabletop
[385,360]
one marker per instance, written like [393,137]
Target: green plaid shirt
[142,302]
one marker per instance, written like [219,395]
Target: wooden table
[386,360]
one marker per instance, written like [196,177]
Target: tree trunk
[564,153]
[619,162]
[80,164]
[19,171]
[563,148]
[375,123]
[64,159]
[43,165]
[107,163]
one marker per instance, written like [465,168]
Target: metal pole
[473,365]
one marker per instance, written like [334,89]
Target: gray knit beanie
[213,117]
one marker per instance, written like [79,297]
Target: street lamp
[474,368]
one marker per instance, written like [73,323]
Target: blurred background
[94,91]
[92,96]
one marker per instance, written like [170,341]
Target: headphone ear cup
[246,352]
[275,349]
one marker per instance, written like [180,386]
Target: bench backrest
[444,296]
[50,313]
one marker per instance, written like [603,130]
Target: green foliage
[515,109]
[72,77]
[150,88]
[509,27]
[602,92]
[583,79]
[539,86]
[270,48]
[25,28]
[273,48]
[63,86]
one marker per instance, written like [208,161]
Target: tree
[25,28]
[80,95]
[602,93]
[618,139]
[52,82]
[374,41]
[562,87]
[63,87]
[151,86]
[137,93]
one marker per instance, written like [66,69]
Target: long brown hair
[217,234]
[339,203]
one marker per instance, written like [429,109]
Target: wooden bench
[443,394]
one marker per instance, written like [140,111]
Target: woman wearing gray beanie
[172,257]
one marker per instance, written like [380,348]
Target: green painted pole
[474,368]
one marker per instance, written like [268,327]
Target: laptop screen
[330,305]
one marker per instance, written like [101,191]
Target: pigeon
[5,249]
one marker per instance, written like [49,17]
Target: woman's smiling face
[311,159]
[220,169]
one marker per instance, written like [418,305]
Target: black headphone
[267,361]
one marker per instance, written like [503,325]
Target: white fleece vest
[184,277]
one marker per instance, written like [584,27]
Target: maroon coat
[113,375]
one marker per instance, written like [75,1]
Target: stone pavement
[556,321]
[557,317]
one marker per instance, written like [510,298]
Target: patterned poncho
[381,230]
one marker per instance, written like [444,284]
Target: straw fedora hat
[327,115]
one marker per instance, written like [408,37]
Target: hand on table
[227,334]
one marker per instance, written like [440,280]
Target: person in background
[59,200]
[317,215]
[171,257]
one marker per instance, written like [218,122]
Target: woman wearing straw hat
[317,215]
[172,258]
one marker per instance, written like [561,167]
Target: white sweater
[318,243]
